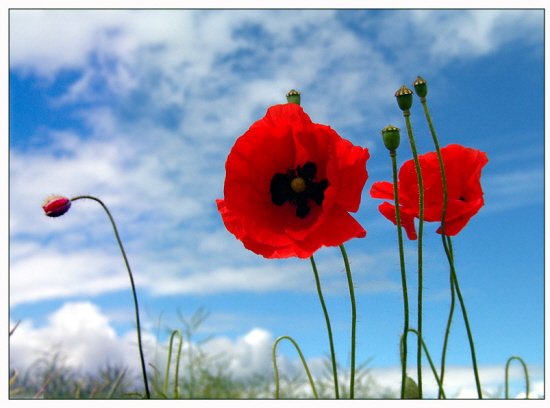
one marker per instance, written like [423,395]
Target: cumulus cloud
[87,340]
[83,335]
[159,98]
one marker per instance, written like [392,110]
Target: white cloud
[87,341]
[46,273]
[160,183]
[82,334]
[460,383]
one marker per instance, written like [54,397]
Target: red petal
[286,138]
[382,189]
[407,220]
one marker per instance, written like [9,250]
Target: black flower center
[298,187]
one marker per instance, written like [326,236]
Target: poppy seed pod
[55,206]
[404,98]
[391,137]
[421,87]
[293,97]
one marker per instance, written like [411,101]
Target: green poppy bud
[404,98]
[421,87]
[293,97]
[391,137]
[411,389]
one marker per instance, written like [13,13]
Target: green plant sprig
[421,88]
[274,359]
[404,100]
[526,376]
[392,138]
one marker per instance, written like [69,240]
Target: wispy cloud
[156,99]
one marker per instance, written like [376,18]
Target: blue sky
[141,107]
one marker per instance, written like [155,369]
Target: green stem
[451,313]
[467,324]
[407,114]
[524,370]
[434,371]
[176,377]
[393,155]
[443,214]
[274,359]
[448,250]
[353,321]
[138,327]
[327,319]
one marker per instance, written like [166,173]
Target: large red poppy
[465,197]
[290,184]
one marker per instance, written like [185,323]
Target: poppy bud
[293,97]
[411,389]
[56,206]
[391,137]
[404,98]
[421,87]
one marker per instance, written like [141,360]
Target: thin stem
[443,214]
[407,114]
[115,384]
[353,321]
[327,319]
[138,326]
[526,375]
[451,312]
[274,359]
[393,155]
[468,330]
[434,371]
[176,376]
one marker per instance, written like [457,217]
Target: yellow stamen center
[298,185]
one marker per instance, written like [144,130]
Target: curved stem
[274,359]
[524,370]
[393,155]
[176,376]
[327,319]
[138,326]
[353,321]
[434,371]
[407,114]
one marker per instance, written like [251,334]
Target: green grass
[192,374]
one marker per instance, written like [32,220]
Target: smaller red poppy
[55,206]
[463,168]
[290,185]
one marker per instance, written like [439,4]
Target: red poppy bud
[56,206]
[404,98]
[290,185]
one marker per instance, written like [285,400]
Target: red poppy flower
[464,194]
[290,184]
